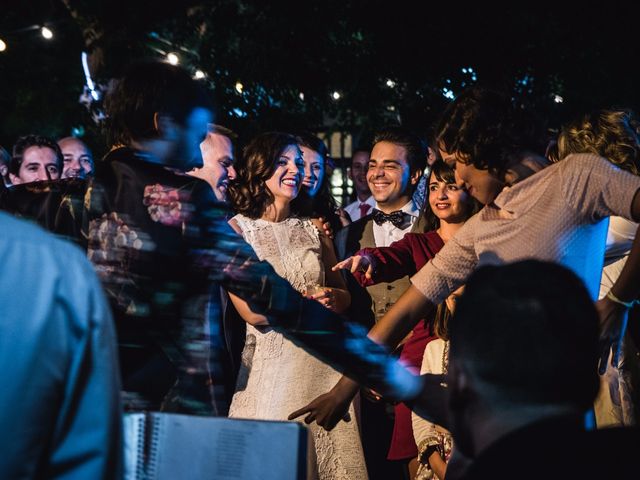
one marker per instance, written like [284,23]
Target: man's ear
[165,126]
[15,180]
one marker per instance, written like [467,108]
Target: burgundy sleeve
[389,263]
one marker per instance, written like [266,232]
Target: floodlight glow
[172,58]
[46,33]
[198,75]
[301,96]
[3,46]
[239,87]
[336,95]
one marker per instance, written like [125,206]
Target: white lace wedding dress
[277,377]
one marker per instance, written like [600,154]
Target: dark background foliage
[279,50]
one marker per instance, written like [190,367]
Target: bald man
[78,159]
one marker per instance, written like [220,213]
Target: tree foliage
[389,62]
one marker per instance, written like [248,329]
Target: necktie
[396,218]
[364,209]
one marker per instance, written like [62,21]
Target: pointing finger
[299,413]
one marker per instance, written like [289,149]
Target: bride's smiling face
[287,177]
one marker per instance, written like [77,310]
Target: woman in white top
[277,377]
[434,442]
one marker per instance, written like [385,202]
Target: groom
[398,159]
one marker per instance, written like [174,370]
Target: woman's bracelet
[615,299]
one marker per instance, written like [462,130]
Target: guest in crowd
[218,158]
[449,207]
[358,174]
[613,135]
[276,374]
[397,161]
[510,396]
[557,213]
[60,399]
[35,159]
[36,190]
[5,162]
[315,199]
[161,245]
[435,443]
[77,158]
[142,215]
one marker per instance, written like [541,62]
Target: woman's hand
[324,226]
[335,299]
[358,262]
[344,217]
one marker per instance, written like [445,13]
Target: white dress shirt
[353,209]
[387,233]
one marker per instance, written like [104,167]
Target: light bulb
[172,58]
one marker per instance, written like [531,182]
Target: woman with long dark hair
[315,199]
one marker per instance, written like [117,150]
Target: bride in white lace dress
[276,376]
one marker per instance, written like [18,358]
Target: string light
[198,75]
[448,93]
[391,83]
[172,58]
[239,87]
[336,95]
[46,33]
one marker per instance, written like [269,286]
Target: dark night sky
[588,54]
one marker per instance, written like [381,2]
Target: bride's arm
[242,307]
[246,313]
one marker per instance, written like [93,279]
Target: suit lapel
[367,240]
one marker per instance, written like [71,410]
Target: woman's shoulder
[430,237]
[241,223]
